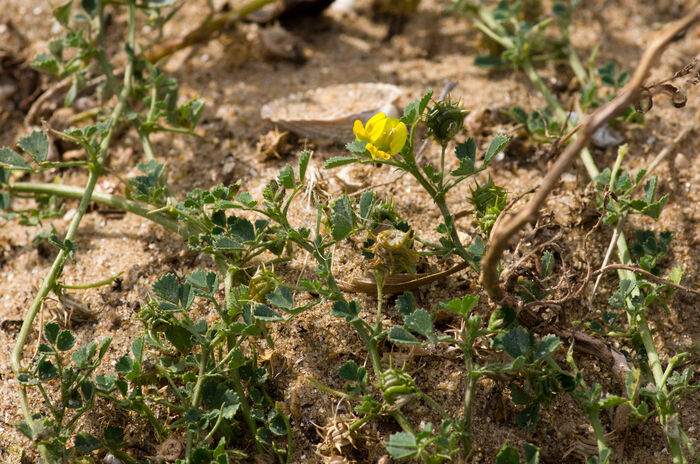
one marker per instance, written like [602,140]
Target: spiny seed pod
[397,385]
[444,120]
[262,283]
[393,252]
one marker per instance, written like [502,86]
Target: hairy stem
[49,281]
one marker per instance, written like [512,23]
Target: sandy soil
[341,47]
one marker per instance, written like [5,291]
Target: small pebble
[681,163]
[606,137]
[111,459]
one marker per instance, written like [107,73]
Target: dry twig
[505,232]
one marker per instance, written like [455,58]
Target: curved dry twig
[648,275]
[398,283]
[505,231]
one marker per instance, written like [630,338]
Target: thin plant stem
[49,281]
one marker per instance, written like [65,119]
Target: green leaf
[420,322]
[496,145]
[114,436]
[612,401]
[62,13]
[650,189]
[508,455]
[168,288]
[265,313]
[124,365]
[5,198]
[406,303]
[286,177]
[517,114]
[65,341]
[532,453]
[546,263]
[466,154]
[398,334]
[501,318]
[224,243]
[80,356]
[72,93]
[105,382]
[201,279]
[518,395]
[46,62]
[349,371]
[343,218]
[85,443]
[232,405]
[281,297]
[51,332]
[241,229]
[180,338]
[186,295]
[547,346]
[461,306]
[401,445]
[10,159]
[488,62]
[304,158]
[516,342]
[36,144]
[213,394]
[87,388]
[528,417]
[342,308]
[338,161]
[676,275]
[366,202]
[413,111]
[246,199]
[90,7]
[278,426]
[26,430]
[201,455]
[47,371]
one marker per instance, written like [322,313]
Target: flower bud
[444,120]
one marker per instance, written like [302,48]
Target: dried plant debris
[676,93]
[329,112]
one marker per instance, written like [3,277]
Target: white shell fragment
[329,112]
[606,137]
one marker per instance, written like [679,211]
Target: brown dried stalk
[506,230]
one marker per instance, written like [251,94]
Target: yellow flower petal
[377,153]
[360,132]
[397,138]
[375,119]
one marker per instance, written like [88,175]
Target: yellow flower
[384,136]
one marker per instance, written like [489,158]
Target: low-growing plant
[197,361]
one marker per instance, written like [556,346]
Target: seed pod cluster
[393,252]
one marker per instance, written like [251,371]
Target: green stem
[112,82]
[219,420]
[97,284]
[599,435]
[245,407]
[197,397]
[57,267]
[114,201]
[654,362]
[535,78]
[574,60]
[402,421]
